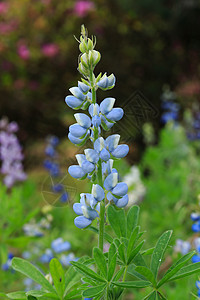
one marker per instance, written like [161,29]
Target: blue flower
[59,245]
[117,191]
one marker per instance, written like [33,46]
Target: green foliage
[171,176]
[107,279]
[12,204]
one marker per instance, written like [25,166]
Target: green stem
[102,208]
[99,172]
[125,271]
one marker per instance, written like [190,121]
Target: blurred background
[152,47]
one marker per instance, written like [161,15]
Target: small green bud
[84,60]
[90,45]
[83,70]
[94,57]
[83,45]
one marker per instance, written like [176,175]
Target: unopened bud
[94,57]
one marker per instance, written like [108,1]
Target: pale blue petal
[94,110]
[91,155]
[87,166]
[89,213]
[103,83]
[77,209]
[73,102]
[77,130]
[96,121]
[107,105]
[111,181]
[120,189]
[76,171]
[121,151]
[80,159]
[83,120]
[115,114]
[122,202]
[99,144]
[104,155]
[82,222]
[112,142]
[77,93]
[83,87]
[111,80]
[74,139]
[98,192]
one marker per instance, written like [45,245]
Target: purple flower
[10,154]
[23,51]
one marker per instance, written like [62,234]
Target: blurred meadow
[152,47]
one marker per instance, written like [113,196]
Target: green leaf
[119,274]
[153,296]
[87,271]
[32,272]
[131,271]
[139,260]
[117,221]
[121,252]
[132,219]
[100,261]
[132,240]
[175,268]
[94,291]
[134,252]
[75,294]
[58,276]
[42,294]
[147,273]
[132,284]
[186,271]
[31,298]
[72,276]
[159,251]
[112,266]
[148,251]
[111,253]
[17,295]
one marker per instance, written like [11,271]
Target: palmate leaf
[100,261]
[175,268]
[94,291]
[32,272]
[159,252]
[87,271]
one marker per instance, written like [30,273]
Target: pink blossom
[3,8]
[50,50]
[23,51]
[82,7]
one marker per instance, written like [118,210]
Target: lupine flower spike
[96,163]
